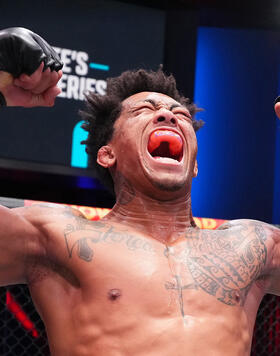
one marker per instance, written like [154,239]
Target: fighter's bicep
[18,239]
[51,222]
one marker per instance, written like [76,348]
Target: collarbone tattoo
[93,233]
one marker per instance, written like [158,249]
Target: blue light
[99,66]
[236,83]
[79,156]
[87,183]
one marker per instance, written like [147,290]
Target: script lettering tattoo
[99,233]
[223,263]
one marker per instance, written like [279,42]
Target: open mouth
[164,143]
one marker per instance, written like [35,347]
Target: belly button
[114,294]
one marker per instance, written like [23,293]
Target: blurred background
[224,55]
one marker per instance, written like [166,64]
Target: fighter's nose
[166,118]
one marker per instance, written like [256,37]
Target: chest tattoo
[179,287]
[223,264]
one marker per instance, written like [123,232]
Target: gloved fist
[22,51]
[29,69]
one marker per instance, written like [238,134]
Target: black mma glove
[22,51]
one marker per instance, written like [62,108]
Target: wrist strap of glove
[2,100]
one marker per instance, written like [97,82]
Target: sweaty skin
[144,280]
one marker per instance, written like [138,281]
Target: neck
[165,221]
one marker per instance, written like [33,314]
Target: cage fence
[22,331]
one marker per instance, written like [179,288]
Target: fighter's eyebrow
[155,105]
[151,102]
[173,106]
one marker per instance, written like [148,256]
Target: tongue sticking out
[165,143]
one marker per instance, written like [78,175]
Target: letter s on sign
[82,66]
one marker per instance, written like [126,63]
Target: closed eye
[144,107]
[185,114]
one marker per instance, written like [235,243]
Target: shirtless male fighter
[143,281]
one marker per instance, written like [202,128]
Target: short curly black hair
[101,112]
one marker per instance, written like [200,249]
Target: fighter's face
[154,143]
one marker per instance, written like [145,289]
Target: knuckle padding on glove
[22,51]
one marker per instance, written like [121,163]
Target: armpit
[39,270]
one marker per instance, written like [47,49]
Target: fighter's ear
[195,169]
[106,156]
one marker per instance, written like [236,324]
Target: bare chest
[219,266]
[132,287]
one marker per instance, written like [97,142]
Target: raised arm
[273,272]
[33,234]
[274,279]
[29,72]
[19,239]
[29,69]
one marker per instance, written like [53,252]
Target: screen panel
[95,40]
